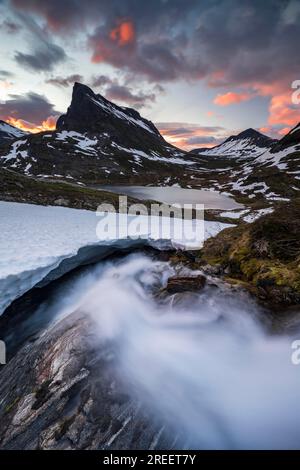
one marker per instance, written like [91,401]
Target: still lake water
[176,195]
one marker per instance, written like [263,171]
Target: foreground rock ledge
[63,391]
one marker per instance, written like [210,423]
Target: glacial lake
[177,195]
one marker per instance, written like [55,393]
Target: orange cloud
[231,98]
[265,130]
[282,110]
[101,54]
[123,34]
[284,131]
[189,136]
[48,125]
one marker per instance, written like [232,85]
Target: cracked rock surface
[63,391]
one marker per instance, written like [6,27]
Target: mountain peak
[250,133]
[248,143]
[81,89]
[91,112]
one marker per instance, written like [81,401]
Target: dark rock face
[185,284]
[96,142]
[63,391]
[263,256]
[292,138]
[89,112]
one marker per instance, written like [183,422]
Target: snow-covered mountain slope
[249,143]
[9,132]
[271,175]
[97,141]
[39,244]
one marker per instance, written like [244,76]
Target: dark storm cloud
[119,91]
[45,54]
[11,27]
[43,59]
[157,54]
[248,42]
[101,81]
[65,81]
[31,107]
[6,74]
[228,42]
[69,15]
[125,94]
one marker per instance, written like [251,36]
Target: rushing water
[205,365]
[176,195]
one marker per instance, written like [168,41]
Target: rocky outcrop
[63,391]
[179,284]
[263,256]
[291,138]
[90,112]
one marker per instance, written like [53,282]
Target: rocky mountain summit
[90,112]
[96,142]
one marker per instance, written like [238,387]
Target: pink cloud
[232,98]
[282,111]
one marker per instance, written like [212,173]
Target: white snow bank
[257,214]
[234,214]
[40,243]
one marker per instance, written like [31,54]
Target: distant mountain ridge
[247,143]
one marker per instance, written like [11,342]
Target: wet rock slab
[63,391]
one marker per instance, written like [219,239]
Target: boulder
[185,284]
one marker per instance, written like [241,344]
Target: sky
[201,70]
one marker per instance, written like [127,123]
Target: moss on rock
[265,255]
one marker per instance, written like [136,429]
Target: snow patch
[39,243]
[257,214]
